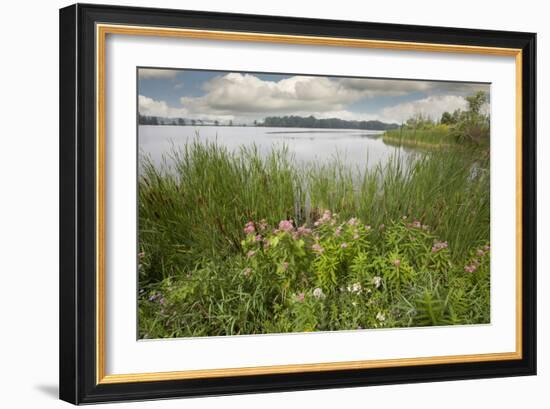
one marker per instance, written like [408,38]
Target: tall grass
[436,136]
[196,211]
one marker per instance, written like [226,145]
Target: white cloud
[246,94]
[151,107]
[432,106]
[146,73]
[246,97]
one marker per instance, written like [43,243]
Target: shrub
[336,274]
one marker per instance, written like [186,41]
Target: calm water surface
[357,147]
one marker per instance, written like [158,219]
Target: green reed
[196,210]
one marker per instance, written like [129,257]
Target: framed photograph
[257,203]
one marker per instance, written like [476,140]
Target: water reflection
[360,148]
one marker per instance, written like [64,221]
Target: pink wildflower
[439,245]
[317,248]
[480,252]
[416,224]
[487,247]
[338,231]
[326,217]
[258,238]
[285,266]
[353,221]
[300,297]
[250,253]
[344,245]
[247,271]
[396,262]
[303,231]
[249,228]
[470,268]
[262,225]
[286,225]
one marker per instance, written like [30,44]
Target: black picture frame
[78,381]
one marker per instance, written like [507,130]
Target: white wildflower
[318,293]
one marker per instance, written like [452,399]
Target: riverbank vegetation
[459,128]
[242,243]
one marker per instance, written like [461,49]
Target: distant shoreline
[261,126]
[292,121]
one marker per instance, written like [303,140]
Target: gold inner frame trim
[102,30]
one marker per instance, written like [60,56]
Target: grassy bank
[201,274]
[438,136]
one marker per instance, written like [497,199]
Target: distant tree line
[158,120]
[294,121]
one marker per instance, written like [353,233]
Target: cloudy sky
[245,97]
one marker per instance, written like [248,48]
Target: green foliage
[337,275]
[470,127]
[298,266]
[447,119]
[420,122]
[476,101]
[473,125]
[196,211]
[428,136]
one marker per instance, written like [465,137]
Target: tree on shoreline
[471,125]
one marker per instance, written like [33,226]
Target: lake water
[356,147]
